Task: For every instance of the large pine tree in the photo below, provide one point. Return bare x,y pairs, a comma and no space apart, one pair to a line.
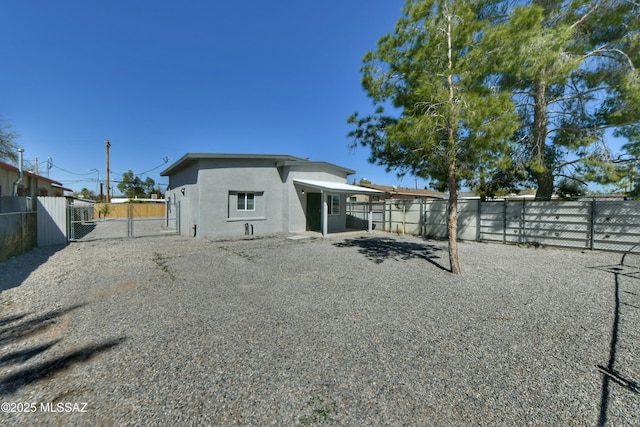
444,118
572,68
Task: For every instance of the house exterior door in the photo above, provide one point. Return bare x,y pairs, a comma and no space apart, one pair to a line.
314,206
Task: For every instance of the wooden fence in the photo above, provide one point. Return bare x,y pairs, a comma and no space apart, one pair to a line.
121,210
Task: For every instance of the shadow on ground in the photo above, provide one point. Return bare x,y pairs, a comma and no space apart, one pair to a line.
13,382
20,267
380,249
37,329
21,326
626,282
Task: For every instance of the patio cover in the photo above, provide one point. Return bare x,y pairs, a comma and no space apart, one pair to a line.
336,187
340,188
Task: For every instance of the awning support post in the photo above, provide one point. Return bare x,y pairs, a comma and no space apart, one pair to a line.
325,216
370,216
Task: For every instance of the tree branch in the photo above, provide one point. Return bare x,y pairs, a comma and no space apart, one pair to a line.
586,15
561,175
601,51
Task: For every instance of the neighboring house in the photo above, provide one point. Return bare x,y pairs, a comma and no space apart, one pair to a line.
235,194
393,192
31,185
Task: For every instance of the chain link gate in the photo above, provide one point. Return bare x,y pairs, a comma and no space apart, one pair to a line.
91,221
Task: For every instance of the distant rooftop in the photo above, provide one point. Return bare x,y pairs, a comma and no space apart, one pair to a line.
402,192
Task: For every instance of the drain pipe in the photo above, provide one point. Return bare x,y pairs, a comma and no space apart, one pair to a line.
20,172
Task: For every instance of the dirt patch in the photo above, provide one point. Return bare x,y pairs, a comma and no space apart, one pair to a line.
117,289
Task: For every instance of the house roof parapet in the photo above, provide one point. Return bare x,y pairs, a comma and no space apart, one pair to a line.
52,182
279,159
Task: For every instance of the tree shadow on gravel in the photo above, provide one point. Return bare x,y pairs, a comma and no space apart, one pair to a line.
20,326
15,381
379,249
43,331
626,271
21,356
14,271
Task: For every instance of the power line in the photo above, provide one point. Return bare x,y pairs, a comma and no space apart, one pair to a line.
164,162
72,173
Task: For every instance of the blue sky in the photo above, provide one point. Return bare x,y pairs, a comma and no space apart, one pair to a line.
162,78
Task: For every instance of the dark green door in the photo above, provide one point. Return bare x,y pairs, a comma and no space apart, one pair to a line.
314,201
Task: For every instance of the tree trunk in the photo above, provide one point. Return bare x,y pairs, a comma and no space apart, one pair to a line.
452,219
542,172
452,215
545,185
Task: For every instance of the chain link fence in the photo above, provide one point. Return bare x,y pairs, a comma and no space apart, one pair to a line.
90,221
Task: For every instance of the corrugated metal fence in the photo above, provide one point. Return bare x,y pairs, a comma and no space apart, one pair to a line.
52,221
590,224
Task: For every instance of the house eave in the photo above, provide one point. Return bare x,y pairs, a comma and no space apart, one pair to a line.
191,157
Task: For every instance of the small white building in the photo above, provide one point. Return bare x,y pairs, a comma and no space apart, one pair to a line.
232,194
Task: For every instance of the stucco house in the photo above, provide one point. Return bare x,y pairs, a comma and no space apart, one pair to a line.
235,194
27,184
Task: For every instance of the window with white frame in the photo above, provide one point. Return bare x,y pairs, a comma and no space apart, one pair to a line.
333,201
246,202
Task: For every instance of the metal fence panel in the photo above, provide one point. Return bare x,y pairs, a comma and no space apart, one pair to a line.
589,224
404,216
616,226
492,221
468,220
435,218
565,224
52,221
513,223
18,233
358,215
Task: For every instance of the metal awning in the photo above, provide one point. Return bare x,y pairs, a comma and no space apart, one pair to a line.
336,187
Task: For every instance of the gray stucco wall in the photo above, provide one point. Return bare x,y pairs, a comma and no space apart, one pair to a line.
211,188
218,185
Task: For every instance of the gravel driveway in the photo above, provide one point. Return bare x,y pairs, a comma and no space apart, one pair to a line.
355,329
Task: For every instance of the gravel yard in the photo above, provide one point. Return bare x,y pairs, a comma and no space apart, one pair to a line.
356,329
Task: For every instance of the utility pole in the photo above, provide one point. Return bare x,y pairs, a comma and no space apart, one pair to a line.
107,146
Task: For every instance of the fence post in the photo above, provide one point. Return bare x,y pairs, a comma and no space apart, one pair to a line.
592,233
370,215
129,219
421,220
478,220
72,232
523,240
504,221
22,225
